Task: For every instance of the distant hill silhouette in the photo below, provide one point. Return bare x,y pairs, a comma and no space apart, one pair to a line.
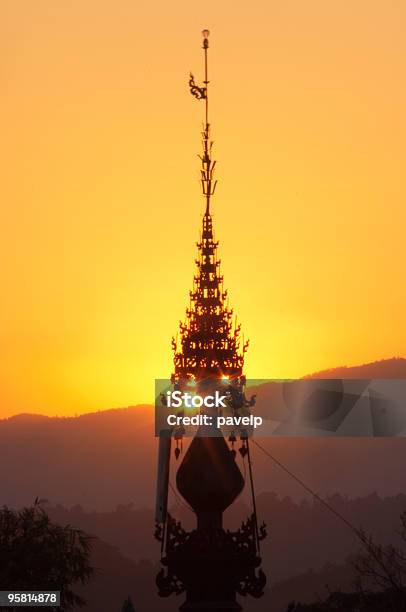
97,459
106,458
305,527
385,368
308,549
98,473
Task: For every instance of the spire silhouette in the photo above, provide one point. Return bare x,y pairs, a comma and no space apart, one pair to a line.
209,563
209,342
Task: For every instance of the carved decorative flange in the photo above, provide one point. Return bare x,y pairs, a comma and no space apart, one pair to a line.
211,559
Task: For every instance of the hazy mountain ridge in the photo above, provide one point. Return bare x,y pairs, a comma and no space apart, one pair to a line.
104,458
306,527
297,556
96,459
107,459
382,368
88,417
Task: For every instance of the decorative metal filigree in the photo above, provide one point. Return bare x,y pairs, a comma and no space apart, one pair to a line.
207,552
262,533
158,534
176,536
253,584
168,583
195,90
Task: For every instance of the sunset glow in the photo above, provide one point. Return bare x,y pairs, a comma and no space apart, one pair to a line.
101,204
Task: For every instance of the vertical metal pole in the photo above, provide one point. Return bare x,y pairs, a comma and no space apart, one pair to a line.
206,82
206,127
162,481
254,503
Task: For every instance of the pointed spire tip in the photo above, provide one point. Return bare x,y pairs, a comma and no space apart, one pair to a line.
205,34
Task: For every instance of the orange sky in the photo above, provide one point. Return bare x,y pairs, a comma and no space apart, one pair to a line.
100,201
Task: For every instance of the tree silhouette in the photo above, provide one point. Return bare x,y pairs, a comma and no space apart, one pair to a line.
128,606
36,554
383,568
380,583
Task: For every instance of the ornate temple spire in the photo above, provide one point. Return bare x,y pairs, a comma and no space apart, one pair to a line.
210,564
209,344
